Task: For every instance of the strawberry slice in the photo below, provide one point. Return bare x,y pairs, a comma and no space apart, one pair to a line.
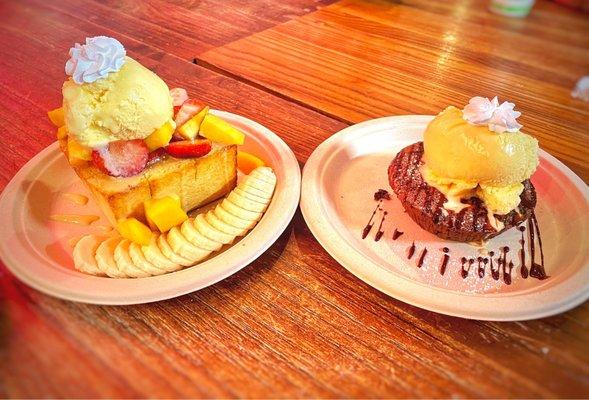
155,156
121,158
189,109
189,148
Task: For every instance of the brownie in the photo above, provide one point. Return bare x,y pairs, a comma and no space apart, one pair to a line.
424,203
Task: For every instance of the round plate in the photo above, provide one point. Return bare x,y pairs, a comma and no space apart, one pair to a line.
339,182
37,251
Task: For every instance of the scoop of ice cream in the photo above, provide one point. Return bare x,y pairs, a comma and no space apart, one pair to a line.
123,105
463,159
455,149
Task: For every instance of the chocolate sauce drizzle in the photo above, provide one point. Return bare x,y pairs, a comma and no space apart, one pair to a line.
463,270
381,194
496,265
536,270
411,251
369,225
481,269
397,234
380,231
444,261
422,257
522,253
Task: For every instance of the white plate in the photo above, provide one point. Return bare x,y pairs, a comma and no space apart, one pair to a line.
339,181
36,249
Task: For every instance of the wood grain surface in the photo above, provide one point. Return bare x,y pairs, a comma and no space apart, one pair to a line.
357,59
294,323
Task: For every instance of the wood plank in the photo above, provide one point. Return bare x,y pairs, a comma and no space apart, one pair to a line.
186,28
357,60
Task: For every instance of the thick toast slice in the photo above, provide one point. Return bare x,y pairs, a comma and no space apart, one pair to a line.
197,181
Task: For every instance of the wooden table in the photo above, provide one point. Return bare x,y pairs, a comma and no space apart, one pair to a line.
295,323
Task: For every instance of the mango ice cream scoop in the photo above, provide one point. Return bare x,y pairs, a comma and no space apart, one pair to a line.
125,104
462,159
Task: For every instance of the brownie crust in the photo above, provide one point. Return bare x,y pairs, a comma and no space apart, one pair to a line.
424,203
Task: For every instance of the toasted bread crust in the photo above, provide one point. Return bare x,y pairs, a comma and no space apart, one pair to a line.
197,181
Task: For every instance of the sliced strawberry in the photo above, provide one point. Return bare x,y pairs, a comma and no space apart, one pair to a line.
121,158
155,156
189,109
189,148
179,96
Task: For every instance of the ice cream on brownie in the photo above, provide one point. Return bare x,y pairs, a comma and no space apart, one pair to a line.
477,163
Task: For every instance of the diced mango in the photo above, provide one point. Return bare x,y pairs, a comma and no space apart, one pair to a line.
218,130
161,136
247,162
134,230
76,152
56,117
164,213
61,132
190,128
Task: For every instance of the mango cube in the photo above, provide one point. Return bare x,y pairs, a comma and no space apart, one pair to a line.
56,117
247,162
76,152
134,230
161,136
165,213
61,132
218,130
190,128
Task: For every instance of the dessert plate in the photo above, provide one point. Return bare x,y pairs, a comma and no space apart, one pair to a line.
340,180
37,251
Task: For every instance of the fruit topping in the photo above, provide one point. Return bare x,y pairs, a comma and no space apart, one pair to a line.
121,158
190,128
164,213
56,117
189,109
218,130
161,136
247,162
134,230
61,132
189,148
155,156
76,152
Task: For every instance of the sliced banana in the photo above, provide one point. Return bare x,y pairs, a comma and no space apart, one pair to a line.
201,225
232,220
246,203
154,255
258,184
141,262
240,212
105,258
251,196
167,251
185,245
264,173
247,187
124,262
189,231
83,254
222,226
180,245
